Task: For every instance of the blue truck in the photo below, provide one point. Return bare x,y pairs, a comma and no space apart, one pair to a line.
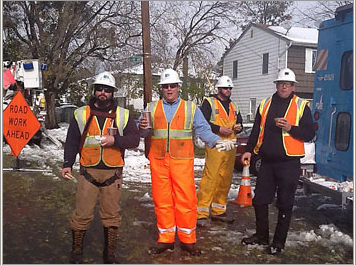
333,105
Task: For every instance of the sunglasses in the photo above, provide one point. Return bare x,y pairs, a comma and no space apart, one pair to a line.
286,84
166,86
227,88
106,89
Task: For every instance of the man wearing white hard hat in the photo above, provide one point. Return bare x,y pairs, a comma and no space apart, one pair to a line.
225,121
282,124
100,132
172,164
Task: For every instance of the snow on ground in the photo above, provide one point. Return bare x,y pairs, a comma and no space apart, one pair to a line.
137,170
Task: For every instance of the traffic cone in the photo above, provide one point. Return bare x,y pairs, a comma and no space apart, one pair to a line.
244,198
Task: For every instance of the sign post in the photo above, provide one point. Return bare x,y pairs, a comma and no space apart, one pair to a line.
19,126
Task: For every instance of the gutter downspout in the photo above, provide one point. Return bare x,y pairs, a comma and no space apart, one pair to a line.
285,52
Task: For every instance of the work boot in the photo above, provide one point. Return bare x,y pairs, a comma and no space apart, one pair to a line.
76,255
202,222
255,239
261,237
191,248
160,248
222,218
110,235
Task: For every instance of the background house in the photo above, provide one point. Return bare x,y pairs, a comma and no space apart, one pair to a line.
259,53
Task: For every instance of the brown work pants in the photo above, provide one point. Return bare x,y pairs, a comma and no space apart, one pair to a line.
87,196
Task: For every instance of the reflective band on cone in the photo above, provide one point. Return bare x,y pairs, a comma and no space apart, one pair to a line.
244,198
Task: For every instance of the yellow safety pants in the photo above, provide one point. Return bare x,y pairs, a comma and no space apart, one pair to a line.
174,197
215,183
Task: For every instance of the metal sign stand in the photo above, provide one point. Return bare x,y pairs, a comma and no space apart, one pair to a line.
18,169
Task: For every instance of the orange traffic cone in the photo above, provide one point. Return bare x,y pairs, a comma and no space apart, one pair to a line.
244,198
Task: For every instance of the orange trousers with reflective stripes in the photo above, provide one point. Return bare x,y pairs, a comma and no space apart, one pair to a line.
174,197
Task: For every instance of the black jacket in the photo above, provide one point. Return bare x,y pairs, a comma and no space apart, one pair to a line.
272,146
130,139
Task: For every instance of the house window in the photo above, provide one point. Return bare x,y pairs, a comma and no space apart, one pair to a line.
346,72
310,60
251,33
265,63
234,69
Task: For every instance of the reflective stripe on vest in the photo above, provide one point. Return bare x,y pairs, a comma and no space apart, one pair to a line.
215,103
294,112
176,137
92,152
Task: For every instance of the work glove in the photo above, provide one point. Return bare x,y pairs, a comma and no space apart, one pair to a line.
225,145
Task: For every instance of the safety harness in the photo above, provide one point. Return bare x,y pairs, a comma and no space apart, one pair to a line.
109,181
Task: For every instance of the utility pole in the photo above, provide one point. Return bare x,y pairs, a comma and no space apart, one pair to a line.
147,77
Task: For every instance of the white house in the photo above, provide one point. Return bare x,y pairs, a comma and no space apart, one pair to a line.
259,53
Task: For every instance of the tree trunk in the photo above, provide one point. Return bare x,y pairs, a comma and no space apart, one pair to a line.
51,121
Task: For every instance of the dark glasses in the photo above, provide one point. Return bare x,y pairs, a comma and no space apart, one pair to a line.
105,88
227,88
166,86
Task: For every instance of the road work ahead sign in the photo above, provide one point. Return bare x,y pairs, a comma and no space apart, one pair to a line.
19,123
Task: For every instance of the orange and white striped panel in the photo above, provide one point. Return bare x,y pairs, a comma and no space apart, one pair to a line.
322,60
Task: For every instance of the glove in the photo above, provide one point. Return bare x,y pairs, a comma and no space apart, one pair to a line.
225,145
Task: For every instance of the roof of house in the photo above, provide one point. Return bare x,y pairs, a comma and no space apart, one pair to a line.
297,35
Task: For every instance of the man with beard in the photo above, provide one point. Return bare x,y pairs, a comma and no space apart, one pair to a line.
100,132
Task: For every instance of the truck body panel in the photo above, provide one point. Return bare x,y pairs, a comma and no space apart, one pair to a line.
333,97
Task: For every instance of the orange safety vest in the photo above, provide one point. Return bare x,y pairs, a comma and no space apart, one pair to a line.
220,117
294,112
92,152
175,137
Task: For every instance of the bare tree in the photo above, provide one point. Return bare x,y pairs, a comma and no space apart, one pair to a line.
65,34
189,26
264,12
314,12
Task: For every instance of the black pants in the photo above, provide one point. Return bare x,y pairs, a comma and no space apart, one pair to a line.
281,177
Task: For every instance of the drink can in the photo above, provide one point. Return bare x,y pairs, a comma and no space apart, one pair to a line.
147,115
112,131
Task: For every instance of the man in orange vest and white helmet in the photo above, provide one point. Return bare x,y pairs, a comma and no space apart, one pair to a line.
100,132
225,120
283,123
171,158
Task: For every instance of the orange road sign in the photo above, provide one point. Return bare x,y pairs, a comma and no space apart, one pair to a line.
19,123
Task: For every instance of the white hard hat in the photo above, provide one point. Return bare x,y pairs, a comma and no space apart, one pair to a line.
105,78
285,74
224,81
169,76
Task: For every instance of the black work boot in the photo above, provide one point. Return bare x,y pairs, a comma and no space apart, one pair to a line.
222,218
190,248
261,237
110,235
280,234
76,255
160,248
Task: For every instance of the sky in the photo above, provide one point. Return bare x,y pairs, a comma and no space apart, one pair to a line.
136,170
